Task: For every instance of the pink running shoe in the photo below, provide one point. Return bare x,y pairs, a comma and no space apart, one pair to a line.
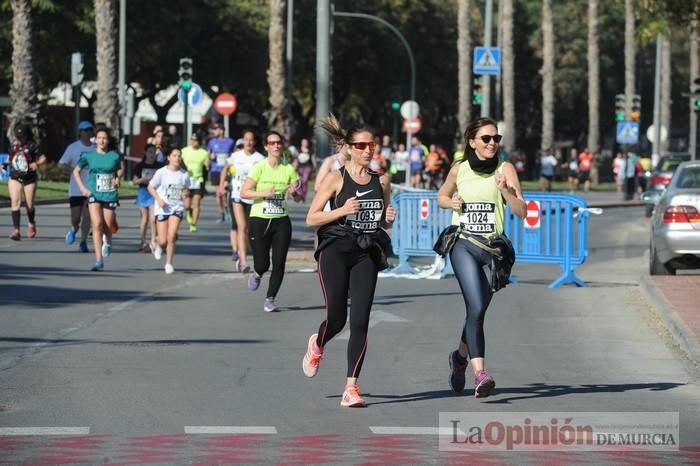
351,397
312,358
483,384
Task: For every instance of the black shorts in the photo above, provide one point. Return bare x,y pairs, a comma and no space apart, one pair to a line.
201,191
246,207
164,217
105,205
77,201
547,177
583,176
24,177
214,178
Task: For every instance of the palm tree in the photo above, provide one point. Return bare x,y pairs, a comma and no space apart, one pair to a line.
278,118
630,51
665,104
508,76
464,67
547,75
593,79
106,105
22,90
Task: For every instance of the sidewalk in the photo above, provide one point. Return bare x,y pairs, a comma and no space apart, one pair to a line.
675,299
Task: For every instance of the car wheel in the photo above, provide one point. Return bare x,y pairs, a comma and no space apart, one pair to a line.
648,210
655,265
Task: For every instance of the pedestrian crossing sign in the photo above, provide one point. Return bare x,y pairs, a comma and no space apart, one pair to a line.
487,60
627,132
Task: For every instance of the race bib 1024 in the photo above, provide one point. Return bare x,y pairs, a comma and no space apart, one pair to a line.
478,217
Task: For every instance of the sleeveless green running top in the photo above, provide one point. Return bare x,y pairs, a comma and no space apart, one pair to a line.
483,208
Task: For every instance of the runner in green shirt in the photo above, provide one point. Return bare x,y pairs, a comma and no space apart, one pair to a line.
269,184
195,158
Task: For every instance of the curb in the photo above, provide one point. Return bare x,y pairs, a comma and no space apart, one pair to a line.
614,204
673,322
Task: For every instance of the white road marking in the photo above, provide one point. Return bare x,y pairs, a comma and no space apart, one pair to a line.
44,431
402,430
230,430
374,318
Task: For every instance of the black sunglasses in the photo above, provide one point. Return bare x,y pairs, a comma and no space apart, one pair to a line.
486,138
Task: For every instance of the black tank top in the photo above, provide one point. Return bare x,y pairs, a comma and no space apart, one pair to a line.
371,199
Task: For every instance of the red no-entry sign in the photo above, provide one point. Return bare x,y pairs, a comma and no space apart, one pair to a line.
424,209
532,220
226,104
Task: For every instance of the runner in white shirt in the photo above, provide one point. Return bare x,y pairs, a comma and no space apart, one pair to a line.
77,201
169,186
238,166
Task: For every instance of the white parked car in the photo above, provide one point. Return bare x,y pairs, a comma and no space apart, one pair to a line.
675,225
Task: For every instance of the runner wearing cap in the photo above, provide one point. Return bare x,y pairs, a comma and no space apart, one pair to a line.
24,159
196,159
220,148
79,214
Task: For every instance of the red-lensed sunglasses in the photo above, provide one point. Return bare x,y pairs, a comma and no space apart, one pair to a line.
363,145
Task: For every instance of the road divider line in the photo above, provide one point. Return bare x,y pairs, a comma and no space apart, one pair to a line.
408,430
6,431
230,430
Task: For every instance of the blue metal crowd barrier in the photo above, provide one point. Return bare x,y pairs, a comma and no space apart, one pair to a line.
4,174
554,232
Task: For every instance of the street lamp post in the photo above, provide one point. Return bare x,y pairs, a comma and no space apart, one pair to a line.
410,58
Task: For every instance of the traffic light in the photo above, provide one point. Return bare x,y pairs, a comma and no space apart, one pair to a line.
185,73
636,107
696,95
395,98
76,69
620,107
477,96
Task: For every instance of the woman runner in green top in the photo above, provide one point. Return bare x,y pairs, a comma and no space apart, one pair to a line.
269,184
477,189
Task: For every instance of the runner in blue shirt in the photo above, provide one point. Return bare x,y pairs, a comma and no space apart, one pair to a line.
219,148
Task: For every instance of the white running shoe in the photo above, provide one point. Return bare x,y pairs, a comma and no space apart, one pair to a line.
158,252
169,269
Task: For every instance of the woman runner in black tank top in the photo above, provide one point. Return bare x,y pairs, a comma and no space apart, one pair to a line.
351,251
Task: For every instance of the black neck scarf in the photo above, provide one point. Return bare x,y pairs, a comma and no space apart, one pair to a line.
486,166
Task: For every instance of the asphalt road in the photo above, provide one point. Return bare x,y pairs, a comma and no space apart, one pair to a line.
144,368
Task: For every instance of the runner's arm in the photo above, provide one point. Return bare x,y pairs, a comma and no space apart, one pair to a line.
331,185
390,213
448,189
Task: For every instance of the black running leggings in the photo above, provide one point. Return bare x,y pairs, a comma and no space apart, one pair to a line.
270,234
345,268
472,267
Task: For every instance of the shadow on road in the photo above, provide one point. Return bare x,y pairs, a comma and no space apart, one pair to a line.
541,390
43,296
33,342
532,391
